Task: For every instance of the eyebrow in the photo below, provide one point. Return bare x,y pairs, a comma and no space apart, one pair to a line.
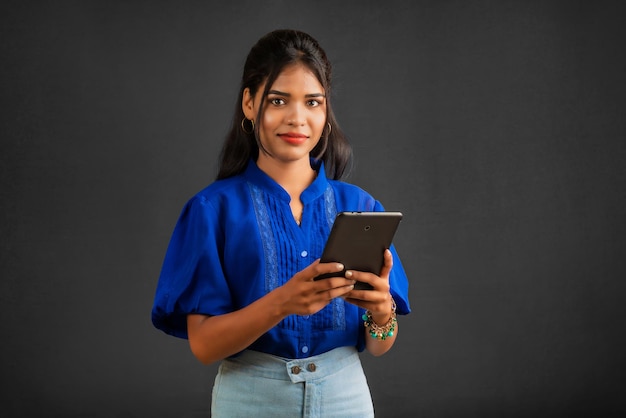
280,93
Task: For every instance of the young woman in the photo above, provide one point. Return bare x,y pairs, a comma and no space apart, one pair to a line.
237,279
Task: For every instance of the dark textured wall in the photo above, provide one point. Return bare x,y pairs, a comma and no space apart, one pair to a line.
498,128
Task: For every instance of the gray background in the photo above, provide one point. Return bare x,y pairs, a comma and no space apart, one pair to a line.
496,127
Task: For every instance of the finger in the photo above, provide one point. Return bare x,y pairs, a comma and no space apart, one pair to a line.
370,278
367,299
370,295
380,284
339,291
362,276
333,283
316,269
387,264
324,268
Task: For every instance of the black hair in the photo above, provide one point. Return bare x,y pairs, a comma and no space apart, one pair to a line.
265,61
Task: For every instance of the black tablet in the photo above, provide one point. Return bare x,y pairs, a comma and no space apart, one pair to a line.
358,241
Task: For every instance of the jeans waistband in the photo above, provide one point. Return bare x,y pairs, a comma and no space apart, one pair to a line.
297,370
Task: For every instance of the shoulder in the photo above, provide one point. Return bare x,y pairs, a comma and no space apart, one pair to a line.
347,188
221,190
352,197
216,200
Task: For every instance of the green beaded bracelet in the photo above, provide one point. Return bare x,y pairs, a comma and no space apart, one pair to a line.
381,332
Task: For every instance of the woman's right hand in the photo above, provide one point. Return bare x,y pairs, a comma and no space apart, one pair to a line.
302,295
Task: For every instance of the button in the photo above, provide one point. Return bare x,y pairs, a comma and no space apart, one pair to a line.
304,253
306,316
311,367
305,349
295,370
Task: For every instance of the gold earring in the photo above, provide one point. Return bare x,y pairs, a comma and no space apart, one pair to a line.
330,128
243,126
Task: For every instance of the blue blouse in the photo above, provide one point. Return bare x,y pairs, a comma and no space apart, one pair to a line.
236,240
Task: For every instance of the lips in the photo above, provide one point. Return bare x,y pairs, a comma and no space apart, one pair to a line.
294,138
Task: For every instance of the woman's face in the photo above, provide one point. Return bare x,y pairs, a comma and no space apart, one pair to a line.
294,115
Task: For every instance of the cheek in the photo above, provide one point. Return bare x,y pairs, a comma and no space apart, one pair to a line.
270,120
319,122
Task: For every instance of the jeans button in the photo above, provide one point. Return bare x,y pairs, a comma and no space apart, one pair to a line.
295,370
312,367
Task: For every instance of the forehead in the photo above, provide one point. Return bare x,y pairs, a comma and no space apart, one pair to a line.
297,77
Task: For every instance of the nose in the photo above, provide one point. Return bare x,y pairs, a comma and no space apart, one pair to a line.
296,115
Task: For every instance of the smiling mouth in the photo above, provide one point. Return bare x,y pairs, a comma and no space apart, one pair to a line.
293,138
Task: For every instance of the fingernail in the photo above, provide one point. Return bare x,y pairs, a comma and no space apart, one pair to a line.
348,273
339,266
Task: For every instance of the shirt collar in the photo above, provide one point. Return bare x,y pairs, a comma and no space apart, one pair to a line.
256,176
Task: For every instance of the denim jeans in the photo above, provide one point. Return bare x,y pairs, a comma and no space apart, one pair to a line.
258,385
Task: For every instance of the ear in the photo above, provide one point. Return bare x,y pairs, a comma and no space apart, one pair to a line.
247,104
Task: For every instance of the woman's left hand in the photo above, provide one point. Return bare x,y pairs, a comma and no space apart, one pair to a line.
378,300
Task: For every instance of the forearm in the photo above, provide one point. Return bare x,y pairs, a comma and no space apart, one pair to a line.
213,338
376,346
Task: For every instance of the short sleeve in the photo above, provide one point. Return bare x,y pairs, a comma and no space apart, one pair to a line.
192,278
398,280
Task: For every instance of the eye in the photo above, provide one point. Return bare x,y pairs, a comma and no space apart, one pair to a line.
313,103
277,101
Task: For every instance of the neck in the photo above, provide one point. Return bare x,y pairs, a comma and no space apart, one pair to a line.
293,176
